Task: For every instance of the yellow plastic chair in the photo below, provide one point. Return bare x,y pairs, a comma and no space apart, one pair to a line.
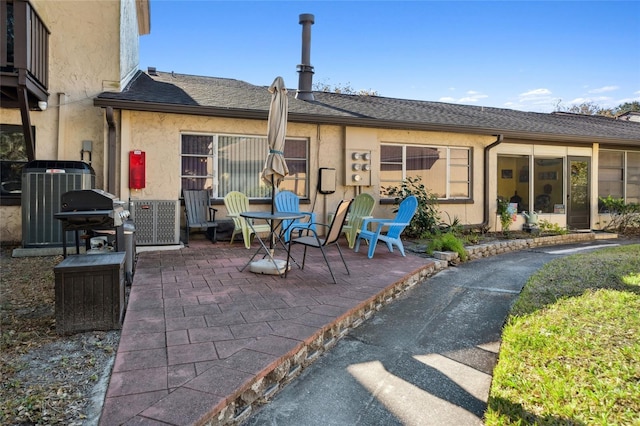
361,208
236,203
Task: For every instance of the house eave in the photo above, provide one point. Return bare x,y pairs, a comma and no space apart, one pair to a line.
253,114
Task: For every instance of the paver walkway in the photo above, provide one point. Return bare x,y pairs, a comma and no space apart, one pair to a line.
202,341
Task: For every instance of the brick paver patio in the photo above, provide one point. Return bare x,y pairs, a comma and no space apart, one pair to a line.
202,341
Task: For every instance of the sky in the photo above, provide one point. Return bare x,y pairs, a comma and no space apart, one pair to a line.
537,56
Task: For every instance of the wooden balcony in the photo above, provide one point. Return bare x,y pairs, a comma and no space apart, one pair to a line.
24,59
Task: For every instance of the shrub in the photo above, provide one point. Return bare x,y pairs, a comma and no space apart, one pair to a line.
505,215
447,242
427,218
551,228
623,216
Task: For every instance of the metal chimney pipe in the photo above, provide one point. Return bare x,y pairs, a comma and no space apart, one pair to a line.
305,69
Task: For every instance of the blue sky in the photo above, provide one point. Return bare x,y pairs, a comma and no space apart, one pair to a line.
525,55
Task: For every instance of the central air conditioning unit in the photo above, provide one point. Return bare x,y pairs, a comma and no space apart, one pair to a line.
43,183
157,222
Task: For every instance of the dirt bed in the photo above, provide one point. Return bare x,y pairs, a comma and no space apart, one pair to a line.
46,378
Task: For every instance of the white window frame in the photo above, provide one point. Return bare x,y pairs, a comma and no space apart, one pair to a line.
214,158
448,166
624,170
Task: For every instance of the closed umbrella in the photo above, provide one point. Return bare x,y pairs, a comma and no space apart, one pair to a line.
275,167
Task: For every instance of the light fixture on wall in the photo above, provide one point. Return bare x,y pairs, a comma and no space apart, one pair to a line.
42,105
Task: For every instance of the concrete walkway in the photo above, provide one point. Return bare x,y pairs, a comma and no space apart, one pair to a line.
426,359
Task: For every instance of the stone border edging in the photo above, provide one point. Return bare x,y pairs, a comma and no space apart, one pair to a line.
498,247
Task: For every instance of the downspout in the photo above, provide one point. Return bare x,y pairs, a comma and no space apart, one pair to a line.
62,106
487,173
111,151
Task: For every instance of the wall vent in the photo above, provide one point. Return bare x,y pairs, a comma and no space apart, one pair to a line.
157,222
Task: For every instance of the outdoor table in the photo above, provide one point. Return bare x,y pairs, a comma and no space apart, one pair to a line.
275,220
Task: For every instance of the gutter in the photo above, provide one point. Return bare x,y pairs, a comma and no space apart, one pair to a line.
487,173
111,151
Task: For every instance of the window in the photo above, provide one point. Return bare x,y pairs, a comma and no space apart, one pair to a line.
296,154
548,185
444,171
224,163
619,175
538,183
513,180
13,155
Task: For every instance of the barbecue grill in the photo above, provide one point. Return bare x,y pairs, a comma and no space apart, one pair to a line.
92,210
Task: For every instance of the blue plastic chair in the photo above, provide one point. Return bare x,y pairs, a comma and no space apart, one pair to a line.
287,201
395,227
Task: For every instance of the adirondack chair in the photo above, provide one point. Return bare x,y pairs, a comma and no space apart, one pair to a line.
395,227
332,239
236,203
287,201
361,208
199,214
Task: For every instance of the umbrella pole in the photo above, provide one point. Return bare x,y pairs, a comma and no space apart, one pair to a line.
273,201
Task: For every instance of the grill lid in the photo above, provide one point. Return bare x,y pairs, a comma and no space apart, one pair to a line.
87,200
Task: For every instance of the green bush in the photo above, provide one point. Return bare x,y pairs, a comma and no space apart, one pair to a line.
623,216
447,242
427,218
551,228
505,215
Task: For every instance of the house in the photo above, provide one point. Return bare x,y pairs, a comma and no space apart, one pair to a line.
197,132
209,133
57,56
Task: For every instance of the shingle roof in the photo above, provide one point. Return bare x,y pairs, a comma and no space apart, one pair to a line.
211,96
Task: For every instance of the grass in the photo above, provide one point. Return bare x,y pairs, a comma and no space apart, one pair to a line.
571,348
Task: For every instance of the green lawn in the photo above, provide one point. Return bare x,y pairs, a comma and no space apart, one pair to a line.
571,347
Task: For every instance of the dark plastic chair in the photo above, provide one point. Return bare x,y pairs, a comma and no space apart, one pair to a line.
394,226
199,214
332,239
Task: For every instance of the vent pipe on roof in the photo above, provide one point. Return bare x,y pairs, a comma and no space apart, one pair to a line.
305,69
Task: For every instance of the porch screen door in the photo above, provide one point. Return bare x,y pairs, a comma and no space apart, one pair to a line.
578,193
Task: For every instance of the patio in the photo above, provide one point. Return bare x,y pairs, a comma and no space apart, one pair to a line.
202,341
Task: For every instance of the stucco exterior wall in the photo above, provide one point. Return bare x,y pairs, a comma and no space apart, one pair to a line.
158,135
93,47
129,46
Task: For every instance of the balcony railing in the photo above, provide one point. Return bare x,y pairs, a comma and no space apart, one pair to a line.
25,47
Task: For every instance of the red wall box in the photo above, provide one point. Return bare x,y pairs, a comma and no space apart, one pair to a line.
90,292
137,169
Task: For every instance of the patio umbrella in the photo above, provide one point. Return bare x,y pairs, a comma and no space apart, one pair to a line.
275,167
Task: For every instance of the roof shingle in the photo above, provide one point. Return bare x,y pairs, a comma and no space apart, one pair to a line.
228,97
